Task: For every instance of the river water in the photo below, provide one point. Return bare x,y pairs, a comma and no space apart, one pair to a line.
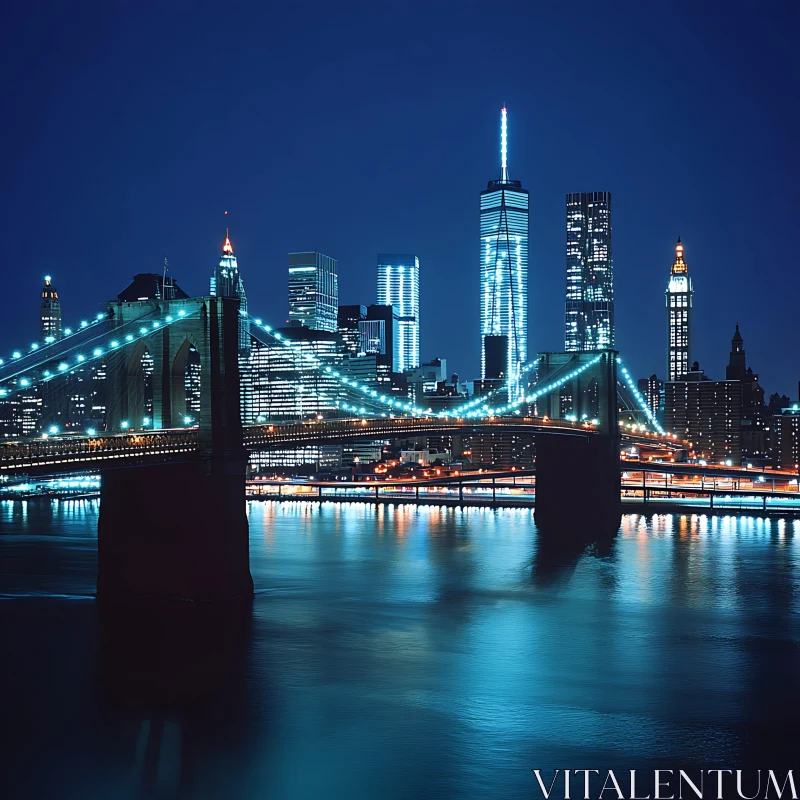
401,652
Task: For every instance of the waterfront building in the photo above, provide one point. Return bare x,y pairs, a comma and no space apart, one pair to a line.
679,317
589,311
50,314
502,449
504,265
783,430
398,286
313,291
707,413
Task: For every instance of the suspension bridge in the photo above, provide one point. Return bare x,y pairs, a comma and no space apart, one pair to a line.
172,513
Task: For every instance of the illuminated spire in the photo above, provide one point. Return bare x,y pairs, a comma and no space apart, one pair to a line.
503,145
227,247
679,266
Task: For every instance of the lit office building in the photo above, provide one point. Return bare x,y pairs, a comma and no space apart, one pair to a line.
50,311
347,321
313,291
380,335
652,389
21,414
368,370
288,386
679,317
706,413
784,428
398,286
590,273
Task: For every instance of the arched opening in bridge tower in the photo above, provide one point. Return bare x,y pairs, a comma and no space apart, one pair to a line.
186,385
136,398
591,400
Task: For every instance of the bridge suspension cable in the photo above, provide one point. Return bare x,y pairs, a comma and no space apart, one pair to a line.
48,344
116,340
365,393
648,412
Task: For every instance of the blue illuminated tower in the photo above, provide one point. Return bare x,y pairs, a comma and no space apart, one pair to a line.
398,286
504,265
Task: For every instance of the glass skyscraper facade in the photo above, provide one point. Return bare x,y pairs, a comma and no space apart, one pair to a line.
679,317
504,265
590,273
290,383
349,317
398,286
313,291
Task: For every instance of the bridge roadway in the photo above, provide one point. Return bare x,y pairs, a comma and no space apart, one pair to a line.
61,454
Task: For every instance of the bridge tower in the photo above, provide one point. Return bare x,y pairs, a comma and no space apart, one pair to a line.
177,530
578,478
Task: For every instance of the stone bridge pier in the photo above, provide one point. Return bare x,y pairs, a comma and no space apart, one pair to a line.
577,477
178,530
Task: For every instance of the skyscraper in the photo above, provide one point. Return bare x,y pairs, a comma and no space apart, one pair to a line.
51,310
380,335
227,282
504,264
398,286
679,316
313,291
590,273
348,319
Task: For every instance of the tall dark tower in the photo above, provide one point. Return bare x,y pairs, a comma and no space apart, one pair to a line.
51,310
737,365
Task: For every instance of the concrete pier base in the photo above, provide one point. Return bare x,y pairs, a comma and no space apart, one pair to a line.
578,487
174,532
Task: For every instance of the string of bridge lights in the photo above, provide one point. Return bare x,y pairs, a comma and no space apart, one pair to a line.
48,341
474,408
639,399
115,342
373,396
465,410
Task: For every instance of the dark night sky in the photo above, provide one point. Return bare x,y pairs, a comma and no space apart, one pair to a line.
128,127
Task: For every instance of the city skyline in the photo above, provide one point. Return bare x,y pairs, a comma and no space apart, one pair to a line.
651,205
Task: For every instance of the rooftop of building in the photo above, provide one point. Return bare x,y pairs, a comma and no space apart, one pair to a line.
149,286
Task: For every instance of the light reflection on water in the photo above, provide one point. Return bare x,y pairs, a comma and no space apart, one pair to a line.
412,652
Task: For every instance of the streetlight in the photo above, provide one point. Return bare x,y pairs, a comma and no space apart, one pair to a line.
187,420
124,424
53,430
146,421
91,432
